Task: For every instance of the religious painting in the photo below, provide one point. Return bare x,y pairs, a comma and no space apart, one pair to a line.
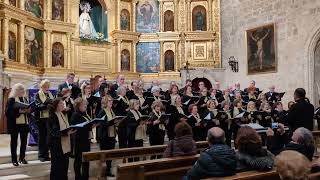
200,51
57,55
58,10
261,50
125,60
13,2
35,7
148,57
168,21
169,60
33,46
12,51
125,20
93,20
199,18
147,16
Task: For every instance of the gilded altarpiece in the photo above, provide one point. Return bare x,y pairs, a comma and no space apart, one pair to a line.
184,32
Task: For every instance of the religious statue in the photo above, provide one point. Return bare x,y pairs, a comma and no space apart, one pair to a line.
12,46
87,29
34,6
169,61
57,10
57,54
199,21
13,2
146,11
125,60
124,20
259,55
168,21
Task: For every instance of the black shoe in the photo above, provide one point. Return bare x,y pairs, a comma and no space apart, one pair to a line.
23,161
42,159
109,174
47,159
15,163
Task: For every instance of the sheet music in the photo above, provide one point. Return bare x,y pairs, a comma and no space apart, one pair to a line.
208,117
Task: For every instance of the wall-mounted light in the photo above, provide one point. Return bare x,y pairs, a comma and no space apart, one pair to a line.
233,63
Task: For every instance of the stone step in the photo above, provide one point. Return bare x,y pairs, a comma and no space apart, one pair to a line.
30,156
33,166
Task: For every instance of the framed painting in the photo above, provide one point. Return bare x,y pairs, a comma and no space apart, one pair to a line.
199,51
147,16
261,49
148,57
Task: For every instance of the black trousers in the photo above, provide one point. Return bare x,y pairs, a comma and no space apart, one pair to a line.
157,138
108,143
81,169
23,130
59,163
122,137
137,143
42,139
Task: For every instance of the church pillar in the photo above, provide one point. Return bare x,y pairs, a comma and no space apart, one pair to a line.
118,15
176,54
161,17
161,57
67,11
21,4
21,27
5,35
49,49
189,19
118,59
49,10
133,18
134,56
176,12
209,15
68,63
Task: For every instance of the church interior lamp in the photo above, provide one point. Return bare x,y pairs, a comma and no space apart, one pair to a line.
233,63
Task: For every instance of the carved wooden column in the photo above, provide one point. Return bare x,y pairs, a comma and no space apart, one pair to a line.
133,18
68,64
118,59
176,12
176,58
209,14
21,27
49,48
161,57
161,17
189,19
117,21
134,56
5,35
21,4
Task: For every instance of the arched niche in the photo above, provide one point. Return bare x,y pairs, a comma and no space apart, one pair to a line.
57,55
169,60
199,18
57,10
125,20
125,60
13,2
12,50
168,21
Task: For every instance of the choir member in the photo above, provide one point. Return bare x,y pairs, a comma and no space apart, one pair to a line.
213,111
224,117
202,104
290,104
70,84
68,102
266,118
141,84
136,128
177,114
217,87
43,99
198,126
214,96
119,82
237,89
155,91
187,94
173,93
188,83
226,96
238,109
156,128
154,83
131,90
82,139
279,115
252,85
201,86
252,93
92,101
101,82
121,109
17,123
252,110
59,141
107,132
271,95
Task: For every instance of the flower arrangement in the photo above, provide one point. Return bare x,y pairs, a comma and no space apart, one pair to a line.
99,39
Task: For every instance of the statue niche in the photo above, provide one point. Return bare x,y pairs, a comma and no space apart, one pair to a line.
13,2
57,55
199,18
58,10
169,60
125,20
168,21
12,51
125,60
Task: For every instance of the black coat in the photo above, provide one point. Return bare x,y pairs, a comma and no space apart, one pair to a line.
301,115
154,130
75,90
82,141
199,132
54,134
40,106
12,113
102,131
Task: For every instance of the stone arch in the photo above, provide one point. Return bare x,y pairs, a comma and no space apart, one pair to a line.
199,18
168,17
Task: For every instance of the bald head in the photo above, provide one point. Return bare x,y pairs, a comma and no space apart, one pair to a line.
216,136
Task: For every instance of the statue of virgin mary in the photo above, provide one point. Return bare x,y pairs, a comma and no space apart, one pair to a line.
87,29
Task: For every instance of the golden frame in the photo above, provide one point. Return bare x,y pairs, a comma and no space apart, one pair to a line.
269,26
202,49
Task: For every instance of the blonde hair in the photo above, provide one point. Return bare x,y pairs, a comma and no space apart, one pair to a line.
44,82
104,101
78,102
289,169
132,103
254,106
156,103
211,101
15,88
83,86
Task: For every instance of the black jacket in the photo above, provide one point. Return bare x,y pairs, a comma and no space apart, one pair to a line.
75,90
217,161
12,113
54,134
82,141
301,115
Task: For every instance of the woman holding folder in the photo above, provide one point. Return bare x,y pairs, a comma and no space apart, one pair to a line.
59,140
17,121
82,139
195,121
107,132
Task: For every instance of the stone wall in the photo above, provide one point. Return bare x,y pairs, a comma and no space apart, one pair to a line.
296,22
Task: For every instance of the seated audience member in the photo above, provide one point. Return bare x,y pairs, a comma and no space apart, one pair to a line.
183,143
250,154
292,165
217,161
302,141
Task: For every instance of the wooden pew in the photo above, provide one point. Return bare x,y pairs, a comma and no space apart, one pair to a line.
102,156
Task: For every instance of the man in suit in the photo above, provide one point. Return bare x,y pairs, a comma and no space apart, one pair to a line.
271,95
69,83
119,82
301,113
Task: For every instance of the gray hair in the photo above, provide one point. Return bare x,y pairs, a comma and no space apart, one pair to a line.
15,88
306,137
121,88
215,137
154,89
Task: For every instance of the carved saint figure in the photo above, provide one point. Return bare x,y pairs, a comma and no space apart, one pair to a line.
125,60
169,61
124,20
199,21
57,10
87,29
57,54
